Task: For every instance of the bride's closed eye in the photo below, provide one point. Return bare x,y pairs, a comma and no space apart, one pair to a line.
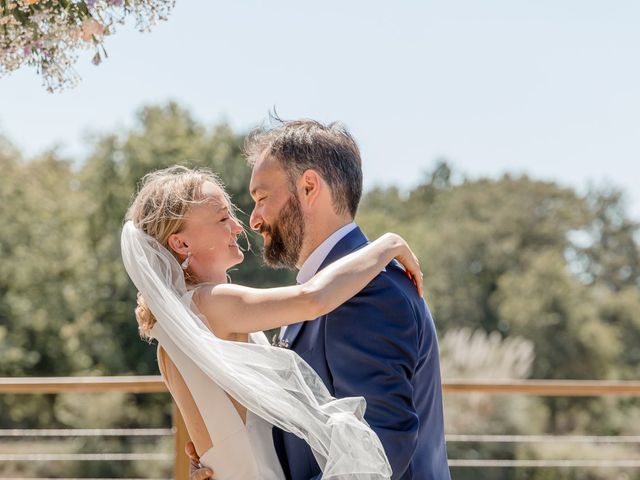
225,214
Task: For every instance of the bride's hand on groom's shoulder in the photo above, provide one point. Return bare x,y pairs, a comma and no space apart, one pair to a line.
198,472
408,260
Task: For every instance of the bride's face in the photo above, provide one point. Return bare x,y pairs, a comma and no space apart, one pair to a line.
210,234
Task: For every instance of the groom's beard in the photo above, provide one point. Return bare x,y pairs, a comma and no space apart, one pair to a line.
286,234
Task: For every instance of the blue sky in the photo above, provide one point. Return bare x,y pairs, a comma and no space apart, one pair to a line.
546,87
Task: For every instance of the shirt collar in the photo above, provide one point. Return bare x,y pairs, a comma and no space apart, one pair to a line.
313,261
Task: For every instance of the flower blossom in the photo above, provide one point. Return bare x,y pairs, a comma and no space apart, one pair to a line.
91,28
47,35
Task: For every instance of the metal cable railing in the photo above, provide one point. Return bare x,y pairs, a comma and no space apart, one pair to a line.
82,457
86,432
545,463
151,384
607,439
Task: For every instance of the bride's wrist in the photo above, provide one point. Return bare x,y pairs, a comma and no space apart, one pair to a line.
393,243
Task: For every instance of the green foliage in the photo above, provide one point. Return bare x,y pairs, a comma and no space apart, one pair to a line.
530,265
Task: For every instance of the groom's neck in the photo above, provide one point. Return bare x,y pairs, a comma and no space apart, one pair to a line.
317,231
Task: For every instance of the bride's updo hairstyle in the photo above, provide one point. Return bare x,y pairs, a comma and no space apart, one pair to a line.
159,208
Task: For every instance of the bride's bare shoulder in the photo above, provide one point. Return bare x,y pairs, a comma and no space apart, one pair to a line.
206,300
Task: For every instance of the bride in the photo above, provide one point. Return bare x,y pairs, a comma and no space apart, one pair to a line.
230,385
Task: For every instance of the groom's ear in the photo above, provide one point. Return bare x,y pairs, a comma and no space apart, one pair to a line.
309,186
177,244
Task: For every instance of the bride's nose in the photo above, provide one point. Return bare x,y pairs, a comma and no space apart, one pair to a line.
236,228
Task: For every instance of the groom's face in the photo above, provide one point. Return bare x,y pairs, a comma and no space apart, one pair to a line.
277,214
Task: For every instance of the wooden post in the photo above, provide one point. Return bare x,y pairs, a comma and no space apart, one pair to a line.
181,466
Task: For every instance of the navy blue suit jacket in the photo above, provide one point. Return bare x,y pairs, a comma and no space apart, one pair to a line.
382,345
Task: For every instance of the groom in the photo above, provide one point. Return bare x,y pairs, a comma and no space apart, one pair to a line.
306,184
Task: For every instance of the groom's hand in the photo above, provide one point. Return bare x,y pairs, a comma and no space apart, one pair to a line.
198,472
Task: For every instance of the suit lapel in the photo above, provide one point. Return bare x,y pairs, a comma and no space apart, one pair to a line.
292,332
352,241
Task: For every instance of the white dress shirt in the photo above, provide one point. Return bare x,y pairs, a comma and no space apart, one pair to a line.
312,263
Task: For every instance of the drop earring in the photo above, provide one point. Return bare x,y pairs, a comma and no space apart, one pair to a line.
185,264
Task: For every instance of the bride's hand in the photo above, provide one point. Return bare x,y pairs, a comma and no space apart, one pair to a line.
407,258
198,472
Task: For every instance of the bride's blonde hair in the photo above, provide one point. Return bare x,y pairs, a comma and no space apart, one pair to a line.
159,208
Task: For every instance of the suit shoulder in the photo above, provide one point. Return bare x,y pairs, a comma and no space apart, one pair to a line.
390,296
393,281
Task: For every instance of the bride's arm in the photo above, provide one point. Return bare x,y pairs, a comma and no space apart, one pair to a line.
237,309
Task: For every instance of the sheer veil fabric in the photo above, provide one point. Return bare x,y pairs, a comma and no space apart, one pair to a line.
273,383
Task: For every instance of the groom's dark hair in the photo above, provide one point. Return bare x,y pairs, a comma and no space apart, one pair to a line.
300,145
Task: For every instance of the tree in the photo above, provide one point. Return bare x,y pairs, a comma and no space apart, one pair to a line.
516,259
610,256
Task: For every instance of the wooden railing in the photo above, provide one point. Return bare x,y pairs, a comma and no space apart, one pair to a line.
154,384
137,384
545,388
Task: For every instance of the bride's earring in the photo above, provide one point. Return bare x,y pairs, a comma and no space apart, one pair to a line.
185,264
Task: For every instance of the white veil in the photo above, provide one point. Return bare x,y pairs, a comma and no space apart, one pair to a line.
274,383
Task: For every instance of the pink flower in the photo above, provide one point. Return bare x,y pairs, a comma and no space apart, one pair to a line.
90,28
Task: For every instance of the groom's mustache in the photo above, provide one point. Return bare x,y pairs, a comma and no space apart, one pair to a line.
265,229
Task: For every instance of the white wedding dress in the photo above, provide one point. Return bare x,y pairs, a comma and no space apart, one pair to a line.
239,451
275,384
